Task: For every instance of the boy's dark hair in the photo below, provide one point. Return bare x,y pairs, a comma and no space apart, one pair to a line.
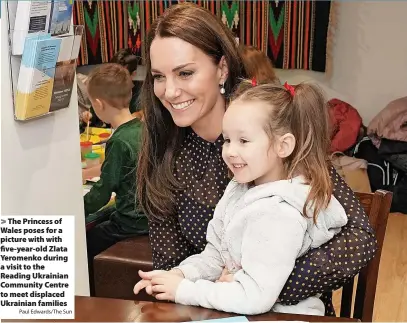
111,83
126,58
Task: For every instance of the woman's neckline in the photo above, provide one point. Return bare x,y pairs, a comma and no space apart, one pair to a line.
218,142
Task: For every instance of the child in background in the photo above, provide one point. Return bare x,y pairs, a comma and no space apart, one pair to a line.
127,59
123,57
130,61
258,65
278,206
109,87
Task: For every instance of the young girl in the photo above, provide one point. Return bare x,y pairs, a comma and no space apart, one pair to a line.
278,206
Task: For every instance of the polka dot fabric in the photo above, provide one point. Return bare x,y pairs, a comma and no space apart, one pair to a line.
325,269
200,169
203,175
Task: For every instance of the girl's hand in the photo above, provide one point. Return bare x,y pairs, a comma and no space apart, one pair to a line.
144,283
165,286
149,275
225,277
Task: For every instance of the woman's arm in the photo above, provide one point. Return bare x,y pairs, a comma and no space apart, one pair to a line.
328,267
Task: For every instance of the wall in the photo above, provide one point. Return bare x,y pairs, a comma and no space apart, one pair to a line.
40,165
370,56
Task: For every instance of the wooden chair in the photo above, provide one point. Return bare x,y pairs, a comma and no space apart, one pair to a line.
377,207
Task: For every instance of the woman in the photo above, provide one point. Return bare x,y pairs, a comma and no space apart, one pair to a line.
181,175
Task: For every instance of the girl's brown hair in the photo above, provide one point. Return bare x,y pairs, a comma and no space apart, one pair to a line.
304,114
161,137
258,65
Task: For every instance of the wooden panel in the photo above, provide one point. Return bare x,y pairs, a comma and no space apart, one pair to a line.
391,293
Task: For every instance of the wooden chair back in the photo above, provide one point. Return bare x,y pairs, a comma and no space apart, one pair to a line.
377,207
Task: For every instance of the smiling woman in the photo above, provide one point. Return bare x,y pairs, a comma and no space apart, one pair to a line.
202,61
187,83
193,64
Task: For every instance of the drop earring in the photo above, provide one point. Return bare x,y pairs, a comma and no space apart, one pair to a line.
222,88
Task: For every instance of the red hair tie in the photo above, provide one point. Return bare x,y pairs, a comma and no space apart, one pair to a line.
290,88
254,82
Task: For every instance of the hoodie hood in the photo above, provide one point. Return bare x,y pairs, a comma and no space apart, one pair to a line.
295,192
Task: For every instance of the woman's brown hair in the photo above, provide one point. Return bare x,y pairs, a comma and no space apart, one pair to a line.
161,137
303,113
258,65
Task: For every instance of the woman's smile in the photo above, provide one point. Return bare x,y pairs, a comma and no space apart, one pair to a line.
182,105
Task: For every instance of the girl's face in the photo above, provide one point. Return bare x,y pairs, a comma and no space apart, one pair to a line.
248,150
186,81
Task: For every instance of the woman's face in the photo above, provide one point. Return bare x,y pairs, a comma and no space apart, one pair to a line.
186,81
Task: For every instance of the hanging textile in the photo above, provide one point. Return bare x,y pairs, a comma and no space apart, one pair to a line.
109,26
294,34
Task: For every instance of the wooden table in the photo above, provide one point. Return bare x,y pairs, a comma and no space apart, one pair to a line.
93,309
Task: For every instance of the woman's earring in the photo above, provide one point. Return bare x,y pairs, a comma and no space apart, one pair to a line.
222,88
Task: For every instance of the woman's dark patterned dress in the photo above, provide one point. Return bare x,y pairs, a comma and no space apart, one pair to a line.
200,169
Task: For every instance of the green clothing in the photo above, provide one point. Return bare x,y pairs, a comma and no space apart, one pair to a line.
118,175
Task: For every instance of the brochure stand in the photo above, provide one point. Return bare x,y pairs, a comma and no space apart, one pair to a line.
42,77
